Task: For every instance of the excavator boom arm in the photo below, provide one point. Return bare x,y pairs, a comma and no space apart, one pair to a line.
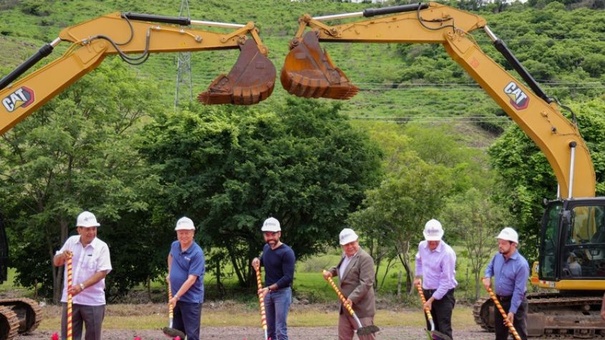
251,80
308,72
139,33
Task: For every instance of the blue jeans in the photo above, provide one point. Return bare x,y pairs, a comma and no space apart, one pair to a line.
277,305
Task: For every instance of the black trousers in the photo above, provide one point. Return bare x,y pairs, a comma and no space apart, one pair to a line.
441,312
519,322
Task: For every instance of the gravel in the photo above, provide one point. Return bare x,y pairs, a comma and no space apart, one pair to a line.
227,332
253,333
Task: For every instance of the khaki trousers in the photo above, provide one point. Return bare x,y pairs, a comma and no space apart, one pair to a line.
347,326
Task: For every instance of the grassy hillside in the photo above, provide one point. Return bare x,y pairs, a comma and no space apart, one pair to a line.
375,68
396,81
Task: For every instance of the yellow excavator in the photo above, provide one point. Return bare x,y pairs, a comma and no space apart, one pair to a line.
572,244
132,36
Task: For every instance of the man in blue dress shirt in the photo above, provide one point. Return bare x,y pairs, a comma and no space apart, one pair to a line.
511,272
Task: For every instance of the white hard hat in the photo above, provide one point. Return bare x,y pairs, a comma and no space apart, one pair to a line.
184,223
87,219
271,224
508,234
433,231
347,235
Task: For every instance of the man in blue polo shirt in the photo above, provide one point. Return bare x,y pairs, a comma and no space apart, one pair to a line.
511,272
186,269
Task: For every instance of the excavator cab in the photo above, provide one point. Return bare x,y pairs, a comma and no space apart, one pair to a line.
572,244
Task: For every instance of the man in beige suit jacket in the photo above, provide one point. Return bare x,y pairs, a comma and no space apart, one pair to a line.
356,280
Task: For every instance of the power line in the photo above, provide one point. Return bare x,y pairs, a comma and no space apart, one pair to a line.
184,83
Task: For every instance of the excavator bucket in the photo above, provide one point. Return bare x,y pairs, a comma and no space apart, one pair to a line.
251,80
309,72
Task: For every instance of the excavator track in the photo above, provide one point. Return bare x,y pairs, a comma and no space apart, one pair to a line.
483,313
9,323
27,312
552,315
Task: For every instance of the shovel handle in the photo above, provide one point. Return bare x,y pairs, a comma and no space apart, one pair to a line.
511,327
426,310
170,308
69,296
343,300
261,301
423,299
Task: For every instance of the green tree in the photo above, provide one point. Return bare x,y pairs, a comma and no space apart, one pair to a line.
526,173
475,220
229,168
425,166
73,154
397,210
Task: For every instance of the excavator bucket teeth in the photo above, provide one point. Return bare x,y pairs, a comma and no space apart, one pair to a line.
309,72
251,80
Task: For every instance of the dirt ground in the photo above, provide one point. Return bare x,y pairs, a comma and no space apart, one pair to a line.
253,333
473,332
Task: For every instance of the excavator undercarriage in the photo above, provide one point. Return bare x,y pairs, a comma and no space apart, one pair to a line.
18,316
9,323
552,315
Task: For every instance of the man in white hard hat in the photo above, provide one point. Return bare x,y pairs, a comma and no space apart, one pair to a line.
436,272
278,260
511,272
90,265
186,269
356,280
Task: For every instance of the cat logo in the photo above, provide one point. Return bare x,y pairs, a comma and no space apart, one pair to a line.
21,97
518,99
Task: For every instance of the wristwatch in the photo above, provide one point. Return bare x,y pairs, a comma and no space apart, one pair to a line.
82,286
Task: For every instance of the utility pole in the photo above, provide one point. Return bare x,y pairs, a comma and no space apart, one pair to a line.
184,87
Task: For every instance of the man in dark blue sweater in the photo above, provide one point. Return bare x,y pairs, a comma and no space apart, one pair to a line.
278,260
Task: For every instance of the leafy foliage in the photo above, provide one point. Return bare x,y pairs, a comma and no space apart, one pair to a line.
74,154
230,169
474,219
527,175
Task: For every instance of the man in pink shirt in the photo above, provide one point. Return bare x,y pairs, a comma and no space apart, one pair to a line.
436,271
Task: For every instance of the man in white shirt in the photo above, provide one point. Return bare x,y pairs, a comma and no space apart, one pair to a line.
90,264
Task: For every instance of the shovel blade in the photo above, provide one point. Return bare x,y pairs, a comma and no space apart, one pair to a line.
250,81
436,335
173,333
309,72
366,330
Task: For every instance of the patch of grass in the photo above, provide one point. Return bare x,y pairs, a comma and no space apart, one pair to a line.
229,314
